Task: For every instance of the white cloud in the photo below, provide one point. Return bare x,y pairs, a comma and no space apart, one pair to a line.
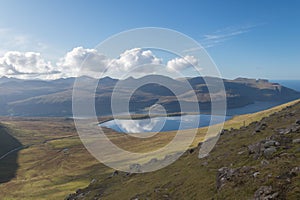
178,64
222,35
134,62
25,65
92,60
135,57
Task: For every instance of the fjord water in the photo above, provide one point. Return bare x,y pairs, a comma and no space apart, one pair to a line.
156,124
293,84
190,121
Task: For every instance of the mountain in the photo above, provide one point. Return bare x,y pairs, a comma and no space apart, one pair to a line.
259,161
54,98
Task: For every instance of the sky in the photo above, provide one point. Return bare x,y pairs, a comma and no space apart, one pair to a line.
49,39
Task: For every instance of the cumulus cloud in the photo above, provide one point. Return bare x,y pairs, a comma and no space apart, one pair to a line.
25,64
178,64
81,61
133,58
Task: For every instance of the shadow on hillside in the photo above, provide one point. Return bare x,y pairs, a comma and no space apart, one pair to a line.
8,161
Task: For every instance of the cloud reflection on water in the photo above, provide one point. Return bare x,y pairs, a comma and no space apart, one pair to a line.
158,124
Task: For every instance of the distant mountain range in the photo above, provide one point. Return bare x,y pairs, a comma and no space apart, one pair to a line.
54,98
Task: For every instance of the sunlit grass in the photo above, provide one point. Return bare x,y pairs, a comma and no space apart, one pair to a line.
47,172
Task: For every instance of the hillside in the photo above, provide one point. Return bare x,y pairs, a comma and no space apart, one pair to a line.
9,146
55,163
259,161
54,98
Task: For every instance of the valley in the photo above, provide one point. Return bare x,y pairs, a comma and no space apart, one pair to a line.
156,100
55,163
257,161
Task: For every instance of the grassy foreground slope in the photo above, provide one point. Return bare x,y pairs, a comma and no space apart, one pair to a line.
7,142
9,147
55,163
259,161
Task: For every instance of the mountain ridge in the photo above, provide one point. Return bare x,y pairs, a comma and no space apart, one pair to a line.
54,98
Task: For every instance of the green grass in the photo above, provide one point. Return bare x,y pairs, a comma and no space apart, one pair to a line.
45,171
189,178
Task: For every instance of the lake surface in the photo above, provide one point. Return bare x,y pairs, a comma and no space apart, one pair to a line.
157,124
191,121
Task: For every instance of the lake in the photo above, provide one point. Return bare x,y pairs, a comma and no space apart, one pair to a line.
156,124
190,121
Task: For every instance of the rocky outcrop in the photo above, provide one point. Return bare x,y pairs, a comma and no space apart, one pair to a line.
260,127
268,153
264,148
226,174
265,193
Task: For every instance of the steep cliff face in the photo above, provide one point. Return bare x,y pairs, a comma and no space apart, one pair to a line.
260,161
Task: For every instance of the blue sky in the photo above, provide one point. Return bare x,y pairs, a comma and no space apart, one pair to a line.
259,38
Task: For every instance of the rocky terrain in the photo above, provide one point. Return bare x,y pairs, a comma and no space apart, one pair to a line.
260,161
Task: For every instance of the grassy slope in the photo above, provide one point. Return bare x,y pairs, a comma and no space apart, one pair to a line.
7,142
192,178
8,165
56,164
45,171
